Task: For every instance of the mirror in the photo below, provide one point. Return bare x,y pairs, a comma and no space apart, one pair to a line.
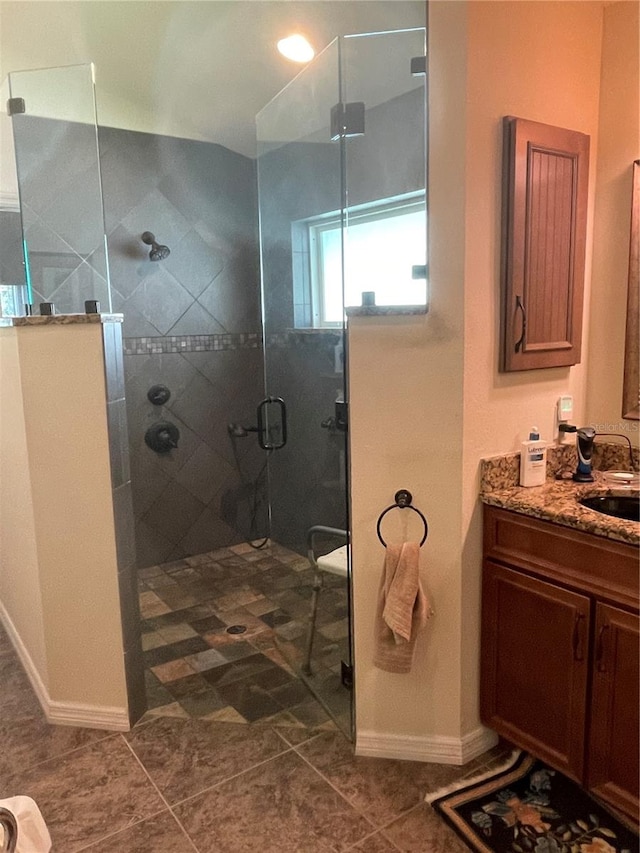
631,385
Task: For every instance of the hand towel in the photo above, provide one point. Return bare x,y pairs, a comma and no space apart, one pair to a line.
402,611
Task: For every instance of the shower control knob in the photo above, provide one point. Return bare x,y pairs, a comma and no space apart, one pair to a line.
158,395
162,437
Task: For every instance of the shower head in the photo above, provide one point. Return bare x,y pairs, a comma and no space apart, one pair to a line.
157,252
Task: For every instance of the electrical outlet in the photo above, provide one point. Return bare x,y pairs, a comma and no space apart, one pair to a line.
564,414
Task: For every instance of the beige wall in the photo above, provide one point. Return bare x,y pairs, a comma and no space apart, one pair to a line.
540,61
19,573
65,451
406,431
435,402
618,147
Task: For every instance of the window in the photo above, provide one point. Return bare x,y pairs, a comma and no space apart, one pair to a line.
384,252
10,301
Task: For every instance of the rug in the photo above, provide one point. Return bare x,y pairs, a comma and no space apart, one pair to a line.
526,807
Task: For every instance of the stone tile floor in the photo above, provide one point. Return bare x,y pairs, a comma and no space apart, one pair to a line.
200,786
196,668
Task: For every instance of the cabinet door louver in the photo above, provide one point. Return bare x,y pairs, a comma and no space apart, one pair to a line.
546,172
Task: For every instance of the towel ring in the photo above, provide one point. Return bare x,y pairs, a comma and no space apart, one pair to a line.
402,500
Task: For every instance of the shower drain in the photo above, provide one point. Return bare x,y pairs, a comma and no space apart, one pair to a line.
236,629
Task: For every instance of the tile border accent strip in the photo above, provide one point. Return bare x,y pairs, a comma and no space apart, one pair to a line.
191,343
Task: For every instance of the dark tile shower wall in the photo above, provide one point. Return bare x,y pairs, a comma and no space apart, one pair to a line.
11,266
191,323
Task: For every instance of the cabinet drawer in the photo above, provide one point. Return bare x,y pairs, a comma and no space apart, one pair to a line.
602,567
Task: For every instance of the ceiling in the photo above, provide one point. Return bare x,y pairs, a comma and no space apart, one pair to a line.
201,70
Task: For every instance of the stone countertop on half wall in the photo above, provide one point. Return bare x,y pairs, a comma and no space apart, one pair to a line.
63,319
558,499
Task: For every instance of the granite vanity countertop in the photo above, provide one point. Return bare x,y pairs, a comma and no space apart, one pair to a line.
557,501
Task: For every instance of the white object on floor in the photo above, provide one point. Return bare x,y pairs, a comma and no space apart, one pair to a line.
33,835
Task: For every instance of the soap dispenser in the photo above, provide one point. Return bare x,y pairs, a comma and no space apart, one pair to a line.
533,460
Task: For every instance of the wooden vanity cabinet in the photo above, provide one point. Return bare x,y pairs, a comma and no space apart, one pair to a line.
613,737
560,650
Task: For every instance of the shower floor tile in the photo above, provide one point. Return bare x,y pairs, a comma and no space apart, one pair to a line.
195,668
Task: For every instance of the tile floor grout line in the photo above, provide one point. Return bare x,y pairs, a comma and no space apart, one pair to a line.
373,835
62,755
337,790
396,818
103,838
160,794
234,776
308,740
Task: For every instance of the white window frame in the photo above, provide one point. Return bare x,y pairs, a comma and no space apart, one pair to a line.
316,226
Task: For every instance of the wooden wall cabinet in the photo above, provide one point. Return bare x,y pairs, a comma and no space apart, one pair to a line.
545,196
560,650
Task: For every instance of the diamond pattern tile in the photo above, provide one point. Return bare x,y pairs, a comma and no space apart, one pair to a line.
194,263
155,213
159,299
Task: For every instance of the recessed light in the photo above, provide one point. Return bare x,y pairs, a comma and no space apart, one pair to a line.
296,48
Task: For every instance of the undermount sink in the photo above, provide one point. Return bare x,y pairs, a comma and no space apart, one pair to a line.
620,506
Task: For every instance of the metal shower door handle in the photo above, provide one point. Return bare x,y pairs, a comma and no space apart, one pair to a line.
263,425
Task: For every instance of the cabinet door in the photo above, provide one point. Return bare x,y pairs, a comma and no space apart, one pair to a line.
546,185
613,744
534,665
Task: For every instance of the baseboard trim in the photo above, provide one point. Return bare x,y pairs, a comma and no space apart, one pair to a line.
88,716
63,713
436,749
38,685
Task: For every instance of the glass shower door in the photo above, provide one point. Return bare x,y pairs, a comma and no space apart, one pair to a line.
303,417
53,116
385,228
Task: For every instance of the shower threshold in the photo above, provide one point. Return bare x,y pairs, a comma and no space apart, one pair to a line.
223,638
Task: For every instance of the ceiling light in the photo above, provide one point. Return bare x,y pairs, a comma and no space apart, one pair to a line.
296,48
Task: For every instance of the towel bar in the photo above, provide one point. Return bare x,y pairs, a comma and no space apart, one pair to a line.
402,500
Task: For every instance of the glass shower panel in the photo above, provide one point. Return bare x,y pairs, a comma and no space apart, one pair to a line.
385,239
13,294
53,114
300,189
